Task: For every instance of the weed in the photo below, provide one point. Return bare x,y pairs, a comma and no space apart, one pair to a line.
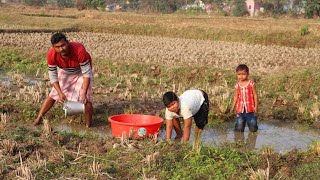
315,148
304,30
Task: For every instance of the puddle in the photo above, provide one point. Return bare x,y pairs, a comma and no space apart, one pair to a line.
281,136
7,82
95,131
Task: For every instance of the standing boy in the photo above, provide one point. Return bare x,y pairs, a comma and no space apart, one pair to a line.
245,100
191,104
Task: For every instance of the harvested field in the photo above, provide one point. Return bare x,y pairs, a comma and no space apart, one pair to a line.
136,59
167,51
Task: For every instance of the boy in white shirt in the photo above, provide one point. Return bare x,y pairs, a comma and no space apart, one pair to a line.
191,104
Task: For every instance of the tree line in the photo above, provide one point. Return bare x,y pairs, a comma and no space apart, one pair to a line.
309,8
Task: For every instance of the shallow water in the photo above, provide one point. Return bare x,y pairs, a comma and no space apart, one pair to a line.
279,135
282,136
7,82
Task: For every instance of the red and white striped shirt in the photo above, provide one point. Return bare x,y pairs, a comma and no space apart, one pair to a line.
245,97
79,61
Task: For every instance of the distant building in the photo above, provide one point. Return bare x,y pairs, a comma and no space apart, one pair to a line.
254,7
113,7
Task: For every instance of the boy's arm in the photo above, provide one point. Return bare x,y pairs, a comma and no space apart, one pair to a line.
187,129
235,98
169,125
255,96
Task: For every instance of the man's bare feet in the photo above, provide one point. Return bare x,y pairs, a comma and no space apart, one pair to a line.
178,138
88,124
37,121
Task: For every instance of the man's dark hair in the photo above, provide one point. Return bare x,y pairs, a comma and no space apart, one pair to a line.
242,67
57,37
168,97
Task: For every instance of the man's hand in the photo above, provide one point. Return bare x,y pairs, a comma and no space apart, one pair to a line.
62,97
255,109
231,110
83,98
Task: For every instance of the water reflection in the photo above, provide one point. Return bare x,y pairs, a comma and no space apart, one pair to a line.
249,143
280,136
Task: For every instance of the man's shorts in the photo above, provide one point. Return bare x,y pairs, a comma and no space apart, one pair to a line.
201,117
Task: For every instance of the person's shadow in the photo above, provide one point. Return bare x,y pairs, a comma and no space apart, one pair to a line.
250,143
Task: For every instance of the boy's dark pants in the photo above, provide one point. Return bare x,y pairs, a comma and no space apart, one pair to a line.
201,117
243,118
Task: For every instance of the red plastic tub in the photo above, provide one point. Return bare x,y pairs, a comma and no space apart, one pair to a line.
135,125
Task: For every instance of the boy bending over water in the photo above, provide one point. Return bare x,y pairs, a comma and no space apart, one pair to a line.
191,104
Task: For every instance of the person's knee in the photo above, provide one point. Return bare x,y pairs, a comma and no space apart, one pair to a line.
252,124
239,125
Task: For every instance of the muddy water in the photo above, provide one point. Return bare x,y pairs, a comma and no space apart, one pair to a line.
7,82
95,131
281,136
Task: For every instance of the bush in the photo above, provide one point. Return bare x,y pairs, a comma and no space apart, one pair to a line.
94,4
65,3
35,2
239,8
312,8
304,30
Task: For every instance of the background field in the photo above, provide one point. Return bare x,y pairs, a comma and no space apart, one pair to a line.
137,58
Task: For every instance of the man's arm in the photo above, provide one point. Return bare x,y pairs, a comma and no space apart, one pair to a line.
53,76
83,93
62,97
86,72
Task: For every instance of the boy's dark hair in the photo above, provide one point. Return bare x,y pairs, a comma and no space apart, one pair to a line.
242,67
57,37
168,97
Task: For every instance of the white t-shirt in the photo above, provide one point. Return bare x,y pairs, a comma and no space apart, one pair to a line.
190,102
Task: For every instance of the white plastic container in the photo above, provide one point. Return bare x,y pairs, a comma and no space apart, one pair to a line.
73,107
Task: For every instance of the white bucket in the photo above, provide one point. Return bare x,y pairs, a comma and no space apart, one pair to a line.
73,107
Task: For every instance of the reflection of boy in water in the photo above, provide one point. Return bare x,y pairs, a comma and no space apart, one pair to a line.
251,140
245,100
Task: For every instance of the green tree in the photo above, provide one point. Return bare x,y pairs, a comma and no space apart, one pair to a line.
312,8
239,8
275,6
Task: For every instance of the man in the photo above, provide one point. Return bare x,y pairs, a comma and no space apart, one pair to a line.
73,80
191,104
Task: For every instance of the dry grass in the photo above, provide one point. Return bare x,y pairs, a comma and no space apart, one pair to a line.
5,118
166,51
47,129
260,174
315,148
10,146
284,31
267,151
24,172
95,168
180,21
